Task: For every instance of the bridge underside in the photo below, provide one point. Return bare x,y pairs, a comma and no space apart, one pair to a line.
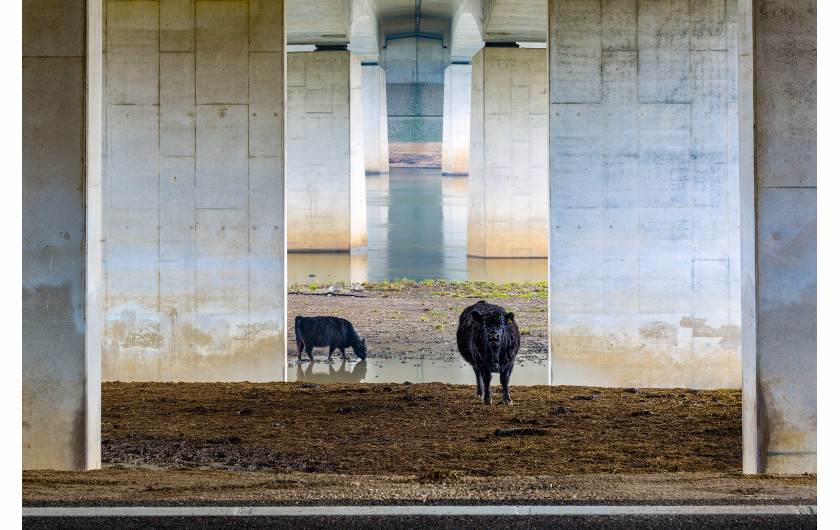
676,143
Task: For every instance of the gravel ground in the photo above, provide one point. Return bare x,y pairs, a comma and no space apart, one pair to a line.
145,486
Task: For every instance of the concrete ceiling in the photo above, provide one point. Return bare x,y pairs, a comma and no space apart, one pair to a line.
464,25
517,21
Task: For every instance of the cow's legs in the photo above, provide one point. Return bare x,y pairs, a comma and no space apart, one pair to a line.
485,376
343,355
299,348
478,386
505,378
309,353
329,357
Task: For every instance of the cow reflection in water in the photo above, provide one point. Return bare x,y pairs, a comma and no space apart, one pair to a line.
342,375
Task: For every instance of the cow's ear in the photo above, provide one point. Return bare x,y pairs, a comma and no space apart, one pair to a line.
508,318
363,341
478,317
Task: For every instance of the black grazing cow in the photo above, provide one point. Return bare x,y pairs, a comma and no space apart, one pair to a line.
488,339
327,331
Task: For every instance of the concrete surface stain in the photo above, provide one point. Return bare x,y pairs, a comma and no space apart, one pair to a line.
583,357
659,332
730,335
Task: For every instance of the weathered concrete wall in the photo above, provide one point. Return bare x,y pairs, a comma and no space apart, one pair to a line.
193,192
326,185
60,375
457,86
785,242
375,109
645,251
508,168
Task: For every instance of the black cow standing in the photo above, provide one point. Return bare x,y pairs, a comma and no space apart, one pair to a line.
488,339
327,331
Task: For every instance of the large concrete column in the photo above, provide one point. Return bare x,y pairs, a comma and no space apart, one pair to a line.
375,108
326,185
194,191
778,72
508,182
457,86
62,84
645,234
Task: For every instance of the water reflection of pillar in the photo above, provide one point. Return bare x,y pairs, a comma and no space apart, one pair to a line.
379,182
326,267
377,187
454,201
503,270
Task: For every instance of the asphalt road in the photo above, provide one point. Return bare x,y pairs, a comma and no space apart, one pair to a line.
768,522
351,517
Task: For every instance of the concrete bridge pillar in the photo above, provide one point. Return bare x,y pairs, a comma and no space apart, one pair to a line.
644,205
193,217
778,119
457,82
326,163
508,162
62,205
375,108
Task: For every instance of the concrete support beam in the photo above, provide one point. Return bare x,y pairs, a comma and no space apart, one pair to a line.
62,80
508,182
457,86
645,216
778,72
194,190
326,186
375,108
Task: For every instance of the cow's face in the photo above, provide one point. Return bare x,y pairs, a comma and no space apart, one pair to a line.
361,351
493,327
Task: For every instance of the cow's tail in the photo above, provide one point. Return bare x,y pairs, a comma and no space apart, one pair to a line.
297,329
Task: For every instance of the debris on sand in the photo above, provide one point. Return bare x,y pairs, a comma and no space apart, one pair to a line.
437,475
520,421
641,413
585,398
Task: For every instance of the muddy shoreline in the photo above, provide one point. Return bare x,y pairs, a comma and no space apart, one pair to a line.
407,320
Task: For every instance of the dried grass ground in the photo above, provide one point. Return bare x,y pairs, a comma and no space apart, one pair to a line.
419,429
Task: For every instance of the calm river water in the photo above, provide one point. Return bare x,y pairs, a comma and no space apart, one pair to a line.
417,229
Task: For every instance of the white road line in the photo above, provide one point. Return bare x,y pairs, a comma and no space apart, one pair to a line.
280,511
